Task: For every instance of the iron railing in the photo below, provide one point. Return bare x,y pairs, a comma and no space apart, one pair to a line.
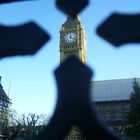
73,77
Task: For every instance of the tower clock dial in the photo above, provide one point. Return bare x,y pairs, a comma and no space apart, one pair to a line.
70,37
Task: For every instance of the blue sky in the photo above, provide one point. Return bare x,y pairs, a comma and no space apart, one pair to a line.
33,86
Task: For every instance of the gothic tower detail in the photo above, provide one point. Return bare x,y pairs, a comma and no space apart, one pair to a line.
72,39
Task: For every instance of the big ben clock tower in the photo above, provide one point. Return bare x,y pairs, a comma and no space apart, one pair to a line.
72,39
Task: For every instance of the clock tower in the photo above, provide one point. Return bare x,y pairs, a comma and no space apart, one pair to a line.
72,40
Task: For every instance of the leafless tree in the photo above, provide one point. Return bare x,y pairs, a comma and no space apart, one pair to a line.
25,125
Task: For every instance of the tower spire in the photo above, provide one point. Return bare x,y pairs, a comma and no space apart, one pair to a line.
77,17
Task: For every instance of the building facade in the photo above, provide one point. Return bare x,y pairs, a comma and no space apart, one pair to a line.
73,42
72,39
112,99
4,105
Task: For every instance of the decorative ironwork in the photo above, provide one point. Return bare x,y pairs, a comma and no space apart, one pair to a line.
73,77
119,29
7,1
22,40
71,7
74,106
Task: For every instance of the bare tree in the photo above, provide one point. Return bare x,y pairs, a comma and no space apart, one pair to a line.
26,125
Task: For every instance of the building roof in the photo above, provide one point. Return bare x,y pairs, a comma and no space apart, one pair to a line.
112,90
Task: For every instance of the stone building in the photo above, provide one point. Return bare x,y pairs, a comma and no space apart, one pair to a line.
75,134
73,42
72,39
112,99
4,105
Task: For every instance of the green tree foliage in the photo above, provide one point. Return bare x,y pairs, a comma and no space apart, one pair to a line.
134,114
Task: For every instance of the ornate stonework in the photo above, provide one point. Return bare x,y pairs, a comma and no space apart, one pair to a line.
4,107
75,134
72,39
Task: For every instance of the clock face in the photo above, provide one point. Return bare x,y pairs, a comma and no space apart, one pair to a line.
70,37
